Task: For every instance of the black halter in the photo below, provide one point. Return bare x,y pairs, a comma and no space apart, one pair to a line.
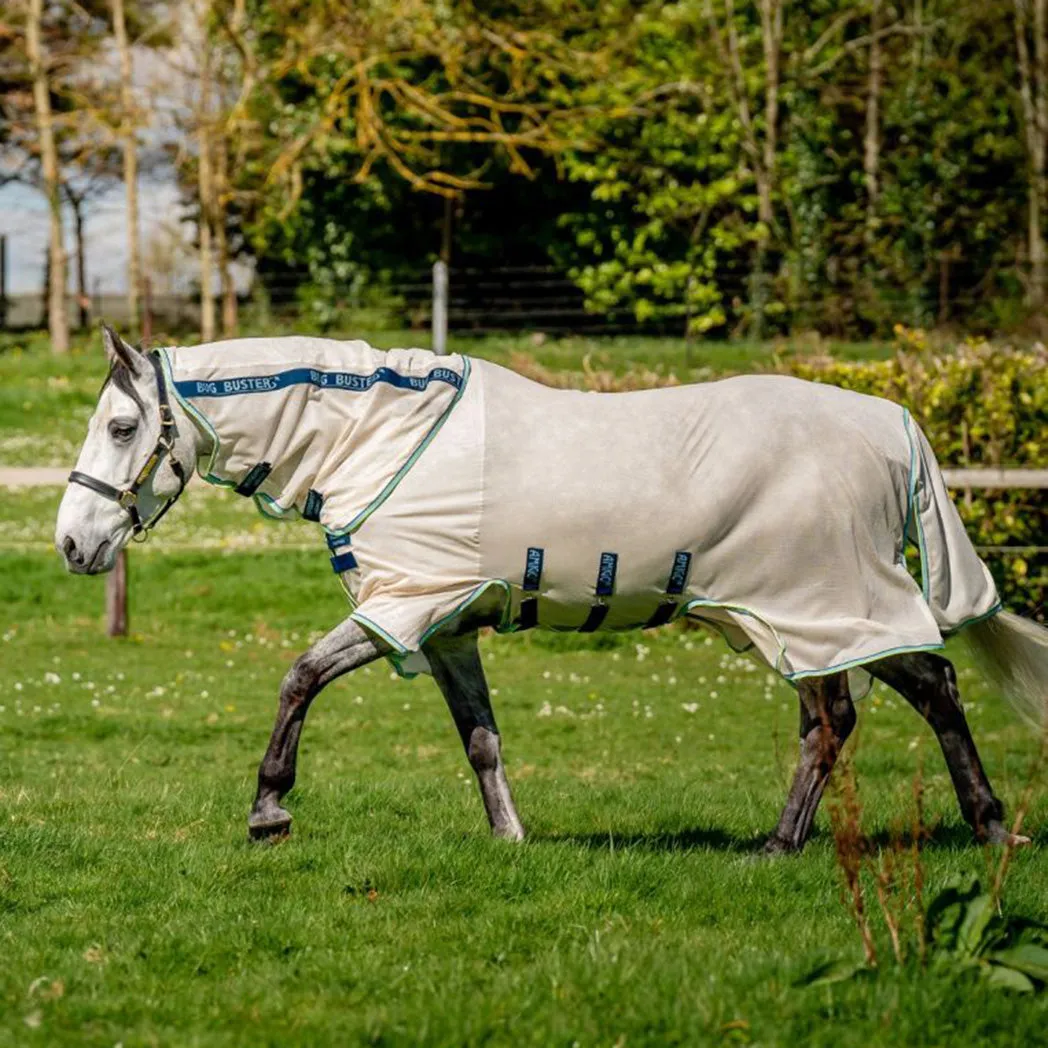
127,498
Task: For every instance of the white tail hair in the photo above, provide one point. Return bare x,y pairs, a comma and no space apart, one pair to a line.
1013,652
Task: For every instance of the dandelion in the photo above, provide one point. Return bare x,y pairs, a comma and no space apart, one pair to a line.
713,694
76,676
545,711
95,703
52,678
18,685
671,680
359,700
690,707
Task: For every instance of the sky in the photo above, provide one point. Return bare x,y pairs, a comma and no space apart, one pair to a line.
24,220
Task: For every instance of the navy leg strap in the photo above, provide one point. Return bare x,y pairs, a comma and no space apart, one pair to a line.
529,606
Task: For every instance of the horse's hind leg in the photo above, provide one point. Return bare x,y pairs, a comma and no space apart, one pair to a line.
827,719
457,669
929,684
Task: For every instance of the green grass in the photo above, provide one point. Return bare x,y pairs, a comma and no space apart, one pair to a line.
46,401
133,909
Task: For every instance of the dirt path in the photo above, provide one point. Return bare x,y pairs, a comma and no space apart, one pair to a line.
32,476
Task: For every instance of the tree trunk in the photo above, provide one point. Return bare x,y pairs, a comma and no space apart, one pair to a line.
81,262
872,142
205,192
771,39
1040,80
225,273
57,317
134,261
1033,91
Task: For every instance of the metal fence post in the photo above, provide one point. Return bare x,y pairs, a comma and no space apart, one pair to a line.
440,307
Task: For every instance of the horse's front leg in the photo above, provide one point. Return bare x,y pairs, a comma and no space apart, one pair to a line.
457,669
345,648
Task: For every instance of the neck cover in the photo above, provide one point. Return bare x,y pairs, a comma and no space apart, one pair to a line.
312,427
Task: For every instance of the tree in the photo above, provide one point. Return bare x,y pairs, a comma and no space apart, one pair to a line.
130,150
1033,92
57,317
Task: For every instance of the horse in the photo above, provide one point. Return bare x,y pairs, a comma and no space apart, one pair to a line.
455,495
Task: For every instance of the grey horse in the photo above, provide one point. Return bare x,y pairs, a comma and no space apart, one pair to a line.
143,443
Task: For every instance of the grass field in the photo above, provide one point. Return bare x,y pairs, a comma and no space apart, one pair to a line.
133,910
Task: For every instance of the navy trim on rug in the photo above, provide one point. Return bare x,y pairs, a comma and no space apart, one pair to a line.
231,387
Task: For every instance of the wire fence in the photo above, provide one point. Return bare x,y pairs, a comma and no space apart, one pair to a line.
488,299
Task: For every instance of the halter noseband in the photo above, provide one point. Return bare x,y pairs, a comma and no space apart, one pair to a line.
127,498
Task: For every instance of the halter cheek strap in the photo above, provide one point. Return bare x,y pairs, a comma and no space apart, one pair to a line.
127,498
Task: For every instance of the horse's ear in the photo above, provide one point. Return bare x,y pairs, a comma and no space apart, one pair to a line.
119,352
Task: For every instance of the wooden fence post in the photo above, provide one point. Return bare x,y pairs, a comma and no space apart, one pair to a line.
3,280
116,597
440,307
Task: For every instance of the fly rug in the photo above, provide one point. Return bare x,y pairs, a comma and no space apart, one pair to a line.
455,495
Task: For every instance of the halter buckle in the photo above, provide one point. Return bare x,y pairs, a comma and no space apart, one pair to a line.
127,499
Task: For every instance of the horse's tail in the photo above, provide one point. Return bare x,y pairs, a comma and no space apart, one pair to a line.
1013,652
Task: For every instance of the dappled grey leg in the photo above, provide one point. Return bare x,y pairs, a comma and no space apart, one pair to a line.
827,719
929,684
459,674
345,648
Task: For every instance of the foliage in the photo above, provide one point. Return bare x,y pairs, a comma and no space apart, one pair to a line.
636,149
967,934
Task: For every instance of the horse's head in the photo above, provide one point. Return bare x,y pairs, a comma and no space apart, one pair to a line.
132,467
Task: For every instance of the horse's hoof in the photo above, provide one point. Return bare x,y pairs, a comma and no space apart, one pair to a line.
777,846
269,826
997,834
512,832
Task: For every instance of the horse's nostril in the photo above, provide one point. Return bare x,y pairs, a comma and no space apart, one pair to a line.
70,551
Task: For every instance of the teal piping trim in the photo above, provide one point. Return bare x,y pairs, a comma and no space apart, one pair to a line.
926,583
974,620
398,648
397,477
199,418
911,484
270,508
913,513
464,604
739,609
863,660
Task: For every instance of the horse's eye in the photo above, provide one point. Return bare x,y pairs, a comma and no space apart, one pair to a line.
122,431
